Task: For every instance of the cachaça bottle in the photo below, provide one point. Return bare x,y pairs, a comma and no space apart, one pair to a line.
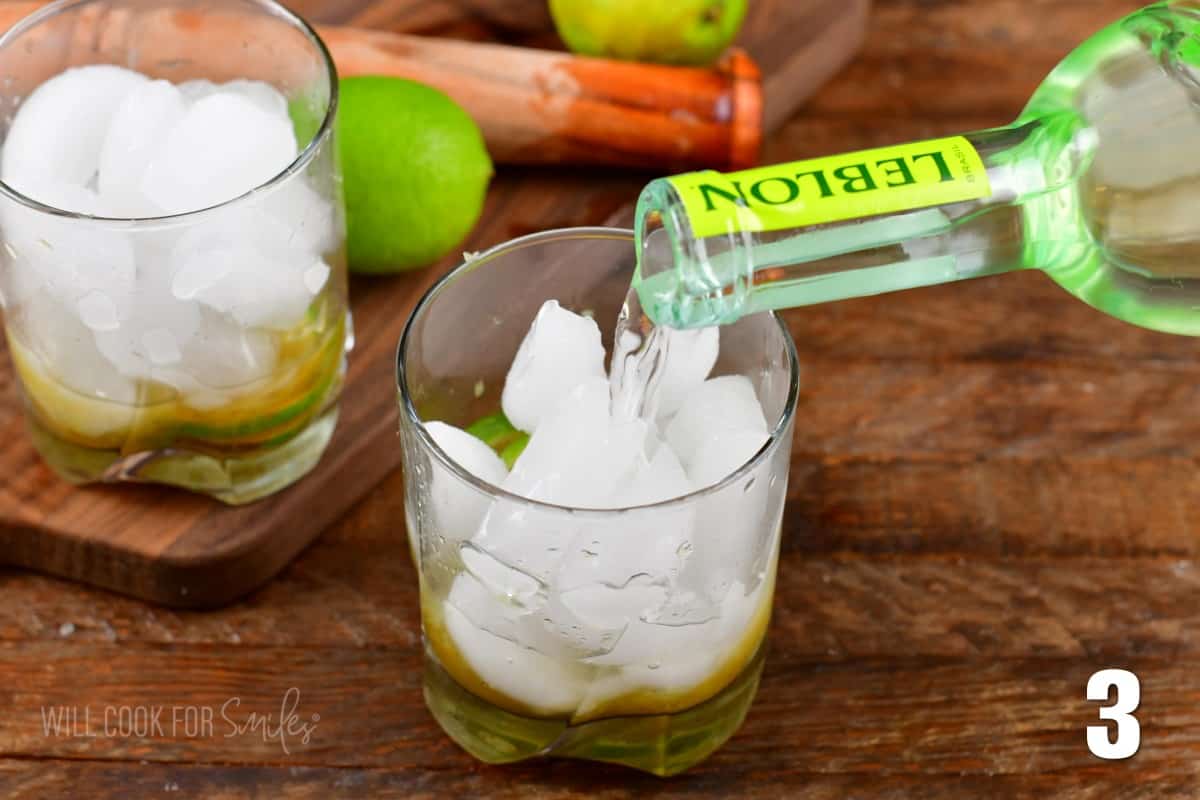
1097,183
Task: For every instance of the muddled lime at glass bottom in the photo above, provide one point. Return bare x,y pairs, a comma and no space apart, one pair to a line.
235,479
663,729
259,441
662,744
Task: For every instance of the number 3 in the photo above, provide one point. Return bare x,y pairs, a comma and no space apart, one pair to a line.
1129,732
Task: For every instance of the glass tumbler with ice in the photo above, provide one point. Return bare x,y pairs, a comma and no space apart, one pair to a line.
173,273
596,568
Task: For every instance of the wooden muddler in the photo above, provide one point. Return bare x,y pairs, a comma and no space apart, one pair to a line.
539,106
534,106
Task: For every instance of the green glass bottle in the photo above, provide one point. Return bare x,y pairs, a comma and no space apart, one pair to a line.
1097,183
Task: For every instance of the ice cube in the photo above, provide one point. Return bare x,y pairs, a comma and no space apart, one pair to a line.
580,457
29,237
224,146
457,506
153,309
647,544
732,524
262,293
139,126
576,458
225,360
484,606
573,459
71,258
515,606
196,90
98,312
557,630
614,607
690,356
723,424
160,347
265,96
309,218
258,288
315,277
468,452
530,540
43,250
677,658
291,218
720,404
244,262
545,685
721,453
644,643
561,351
667,658
658,478
502,581
196,274
63,196
57,133
68,349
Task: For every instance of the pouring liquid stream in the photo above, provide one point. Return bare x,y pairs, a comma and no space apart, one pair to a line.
1096,184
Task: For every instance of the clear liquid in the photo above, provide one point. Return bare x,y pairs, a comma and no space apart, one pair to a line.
650,727
1098,184
247,441
1136,211
663,726
640,351
664,744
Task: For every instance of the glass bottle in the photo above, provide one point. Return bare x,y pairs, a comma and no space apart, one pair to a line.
1097,183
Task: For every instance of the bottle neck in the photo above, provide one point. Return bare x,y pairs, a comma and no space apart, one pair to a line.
713,248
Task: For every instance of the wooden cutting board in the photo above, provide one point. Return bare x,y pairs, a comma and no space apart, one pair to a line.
184,550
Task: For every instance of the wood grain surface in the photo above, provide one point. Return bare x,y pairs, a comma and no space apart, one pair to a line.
533,105
994,493
188,551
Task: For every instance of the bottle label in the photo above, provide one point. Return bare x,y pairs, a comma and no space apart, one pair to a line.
863,184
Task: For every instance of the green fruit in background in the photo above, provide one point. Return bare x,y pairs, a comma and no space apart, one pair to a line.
666,31
415,173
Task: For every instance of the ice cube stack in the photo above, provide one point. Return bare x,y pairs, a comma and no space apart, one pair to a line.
565,612
191,304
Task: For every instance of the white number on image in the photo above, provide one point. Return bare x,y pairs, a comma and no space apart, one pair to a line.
1128,732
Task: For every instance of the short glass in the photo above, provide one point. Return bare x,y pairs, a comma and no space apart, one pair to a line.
652,658
124,374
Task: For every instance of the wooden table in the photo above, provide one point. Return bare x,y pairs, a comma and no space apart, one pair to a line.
993,495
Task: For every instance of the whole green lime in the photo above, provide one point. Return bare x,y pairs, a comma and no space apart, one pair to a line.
692,32
415,173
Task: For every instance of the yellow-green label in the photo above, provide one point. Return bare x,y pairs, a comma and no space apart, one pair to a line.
880,181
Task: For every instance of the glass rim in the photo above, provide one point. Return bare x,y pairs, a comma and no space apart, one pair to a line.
302,159
775,437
